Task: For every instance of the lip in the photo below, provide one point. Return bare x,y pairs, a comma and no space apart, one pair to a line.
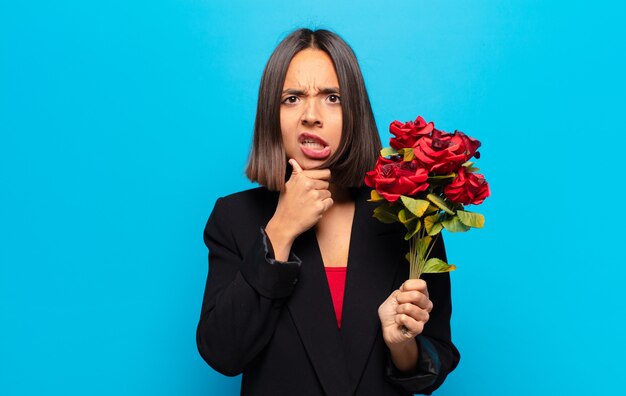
314,153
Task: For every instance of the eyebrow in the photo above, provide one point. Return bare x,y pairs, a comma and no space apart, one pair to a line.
324,90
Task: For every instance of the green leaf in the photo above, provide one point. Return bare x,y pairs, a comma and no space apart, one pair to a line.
435,266
411,222
375,197
453,224
405,216
387,151
416,206
432,224
408,154
440,203
471,219
423,244
386,213
469,165
412,228
432,209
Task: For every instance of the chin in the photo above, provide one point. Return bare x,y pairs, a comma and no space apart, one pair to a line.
307,164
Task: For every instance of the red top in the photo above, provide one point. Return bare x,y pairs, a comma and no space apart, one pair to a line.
337,283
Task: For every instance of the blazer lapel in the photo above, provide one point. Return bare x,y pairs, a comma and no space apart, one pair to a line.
376,250
312,311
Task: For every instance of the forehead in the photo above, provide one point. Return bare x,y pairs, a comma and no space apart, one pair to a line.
311,67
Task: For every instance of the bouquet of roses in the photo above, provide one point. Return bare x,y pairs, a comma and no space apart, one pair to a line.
424,181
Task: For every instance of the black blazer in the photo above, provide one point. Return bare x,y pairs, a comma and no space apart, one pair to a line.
274,321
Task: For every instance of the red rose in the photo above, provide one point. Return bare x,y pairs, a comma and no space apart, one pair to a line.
468,144
444,152
407,134
467,188
394,177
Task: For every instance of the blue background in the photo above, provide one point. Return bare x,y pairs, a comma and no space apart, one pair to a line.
122,122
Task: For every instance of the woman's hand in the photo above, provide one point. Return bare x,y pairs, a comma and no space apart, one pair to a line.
405,312
403,316
301,204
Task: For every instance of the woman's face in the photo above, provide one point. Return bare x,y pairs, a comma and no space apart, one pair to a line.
310,110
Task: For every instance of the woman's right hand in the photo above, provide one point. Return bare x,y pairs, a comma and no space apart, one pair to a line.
301,204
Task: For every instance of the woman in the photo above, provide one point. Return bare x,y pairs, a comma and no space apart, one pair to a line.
306,292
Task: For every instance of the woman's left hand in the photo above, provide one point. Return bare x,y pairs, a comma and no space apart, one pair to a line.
405,312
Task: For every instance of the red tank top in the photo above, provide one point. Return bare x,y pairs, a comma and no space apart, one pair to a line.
337,283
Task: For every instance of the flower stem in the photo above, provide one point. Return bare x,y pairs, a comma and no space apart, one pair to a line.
417,261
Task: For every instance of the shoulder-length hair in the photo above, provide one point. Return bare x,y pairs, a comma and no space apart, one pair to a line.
360,144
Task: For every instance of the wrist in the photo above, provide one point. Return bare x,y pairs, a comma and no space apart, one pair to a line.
402,345
280,239
404,355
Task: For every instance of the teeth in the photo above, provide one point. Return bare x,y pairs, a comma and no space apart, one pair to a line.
311,144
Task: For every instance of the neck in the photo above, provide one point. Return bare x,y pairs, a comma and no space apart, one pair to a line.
339,194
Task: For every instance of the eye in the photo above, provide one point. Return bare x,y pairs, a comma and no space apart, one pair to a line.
334,98
290,99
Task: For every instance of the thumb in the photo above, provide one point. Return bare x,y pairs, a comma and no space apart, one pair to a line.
295,166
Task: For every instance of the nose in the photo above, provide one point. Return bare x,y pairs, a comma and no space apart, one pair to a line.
311,115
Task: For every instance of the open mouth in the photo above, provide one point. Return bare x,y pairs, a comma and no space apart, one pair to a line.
313,146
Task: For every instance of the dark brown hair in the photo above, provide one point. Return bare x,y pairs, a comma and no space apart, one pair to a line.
360,144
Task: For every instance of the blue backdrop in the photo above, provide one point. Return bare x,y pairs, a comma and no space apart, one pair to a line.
122,122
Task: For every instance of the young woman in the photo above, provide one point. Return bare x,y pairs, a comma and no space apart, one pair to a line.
307,293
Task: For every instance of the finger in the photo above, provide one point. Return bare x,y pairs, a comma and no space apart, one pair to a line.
328,202
390,300
411,296
414,297
392,296
413,326
314,184
413,311
414,284
296,168
323,194
319,174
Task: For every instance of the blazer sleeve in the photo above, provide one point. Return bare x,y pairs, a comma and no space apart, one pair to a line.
244,295
437,354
